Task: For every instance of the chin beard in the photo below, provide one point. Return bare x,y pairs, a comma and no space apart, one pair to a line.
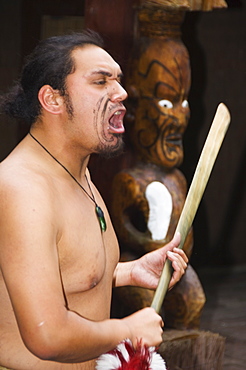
109,151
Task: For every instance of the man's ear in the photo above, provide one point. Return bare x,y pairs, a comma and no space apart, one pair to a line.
50,99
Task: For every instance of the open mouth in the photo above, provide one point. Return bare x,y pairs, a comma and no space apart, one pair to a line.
116,122
175,139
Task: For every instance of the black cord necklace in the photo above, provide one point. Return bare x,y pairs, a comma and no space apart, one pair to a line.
99,211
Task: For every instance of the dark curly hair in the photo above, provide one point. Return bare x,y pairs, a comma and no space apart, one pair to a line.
50,63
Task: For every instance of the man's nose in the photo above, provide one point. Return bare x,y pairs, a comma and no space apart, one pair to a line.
118,93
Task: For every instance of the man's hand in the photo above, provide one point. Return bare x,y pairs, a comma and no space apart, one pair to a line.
145,326
146,271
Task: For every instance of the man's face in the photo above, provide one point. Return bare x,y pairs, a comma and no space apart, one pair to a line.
94,96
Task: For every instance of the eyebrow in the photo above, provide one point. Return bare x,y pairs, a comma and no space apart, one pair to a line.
106,73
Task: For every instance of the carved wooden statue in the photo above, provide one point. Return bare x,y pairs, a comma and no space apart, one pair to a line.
149,196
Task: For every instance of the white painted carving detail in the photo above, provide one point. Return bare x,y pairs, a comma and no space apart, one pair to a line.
160,209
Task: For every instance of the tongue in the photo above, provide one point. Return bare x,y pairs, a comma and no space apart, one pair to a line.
116,123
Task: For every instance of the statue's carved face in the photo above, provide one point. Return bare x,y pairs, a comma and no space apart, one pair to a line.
161,83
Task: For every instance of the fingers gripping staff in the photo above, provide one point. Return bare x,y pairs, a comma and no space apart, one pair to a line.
125,357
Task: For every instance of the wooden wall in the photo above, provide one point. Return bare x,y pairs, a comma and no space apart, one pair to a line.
217,45
10,41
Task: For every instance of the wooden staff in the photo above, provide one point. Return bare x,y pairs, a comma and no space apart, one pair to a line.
204,167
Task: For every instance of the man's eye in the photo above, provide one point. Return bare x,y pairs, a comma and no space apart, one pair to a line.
100,82
165,103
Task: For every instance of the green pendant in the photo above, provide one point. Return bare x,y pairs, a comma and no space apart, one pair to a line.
101,218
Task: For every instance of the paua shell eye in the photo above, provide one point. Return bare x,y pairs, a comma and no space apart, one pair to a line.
185,104
165,103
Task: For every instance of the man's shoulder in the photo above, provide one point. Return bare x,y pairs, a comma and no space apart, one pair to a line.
20,177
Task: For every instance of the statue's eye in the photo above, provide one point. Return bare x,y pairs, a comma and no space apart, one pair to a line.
165,103
185,104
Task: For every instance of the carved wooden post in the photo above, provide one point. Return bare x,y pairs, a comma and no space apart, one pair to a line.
148,197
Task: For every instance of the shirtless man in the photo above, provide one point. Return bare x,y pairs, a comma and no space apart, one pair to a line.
58,263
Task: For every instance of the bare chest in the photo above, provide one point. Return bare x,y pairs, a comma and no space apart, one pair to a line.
87,256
